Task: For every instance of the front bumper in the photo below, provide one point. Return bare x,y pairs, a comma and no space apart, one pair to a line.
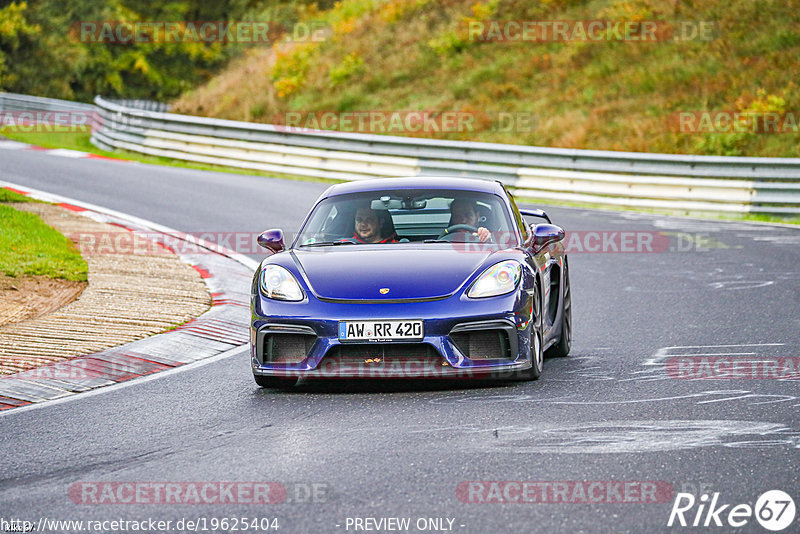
442,353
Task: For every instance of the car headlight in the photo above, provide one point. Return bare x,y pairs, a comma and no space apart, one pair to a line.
499,279
279,284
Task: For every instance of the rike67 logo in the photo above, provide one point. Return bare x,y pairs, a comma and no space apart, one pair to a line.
774,510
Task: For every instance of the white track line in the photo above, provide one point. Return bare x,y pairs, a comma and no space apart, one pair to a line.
121,385
7,144
66,153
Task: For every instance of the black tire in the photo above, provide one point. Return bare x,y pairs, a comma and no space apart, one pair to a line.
537,355
274,382
561,349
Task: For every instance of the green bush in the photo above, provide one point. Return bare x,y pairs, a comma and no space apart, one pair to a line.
351,65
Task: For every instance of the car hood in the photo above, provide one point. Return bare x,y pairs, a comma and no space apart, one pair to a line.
359,272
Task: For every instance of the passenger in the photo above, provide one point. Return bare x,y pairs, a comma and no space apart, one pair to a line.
464,211
374,226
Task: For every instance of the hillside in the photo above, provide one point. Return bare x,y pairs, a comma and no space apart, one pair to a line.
395,55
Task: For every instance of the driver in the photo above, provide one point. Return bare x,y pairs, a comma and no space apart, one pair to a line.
463,211
373,226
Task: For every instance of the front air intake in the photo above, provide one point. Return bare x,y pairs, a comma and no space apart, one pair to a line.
287,348
483,344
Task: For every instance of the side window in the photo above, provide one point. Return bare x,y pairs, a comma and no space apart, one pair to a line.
517,216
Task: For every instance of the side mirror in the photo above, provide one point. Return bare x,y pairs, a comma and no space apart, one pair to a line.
545,234
272,240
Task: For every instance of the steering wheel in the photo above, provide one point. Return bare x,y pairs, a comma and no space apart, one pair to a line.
460,227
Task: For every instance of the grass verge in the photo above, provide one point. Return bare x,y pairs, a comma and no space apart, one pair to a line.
28,246
6,195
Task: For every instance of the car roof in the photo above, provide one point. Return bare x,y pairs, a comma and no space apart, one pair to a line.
415,182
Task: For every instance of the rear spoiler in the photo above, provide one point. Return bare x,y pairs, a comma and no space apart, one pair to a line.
536,213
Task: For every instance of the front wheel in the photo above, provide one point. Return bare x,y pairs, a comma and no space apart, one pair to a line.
274,382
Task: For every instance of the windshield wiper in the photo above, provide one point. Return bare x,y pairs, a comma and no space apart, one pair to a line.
328,243
437,241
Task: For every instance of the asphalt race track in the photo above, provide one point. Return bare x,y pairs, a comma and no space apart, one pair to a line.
619,410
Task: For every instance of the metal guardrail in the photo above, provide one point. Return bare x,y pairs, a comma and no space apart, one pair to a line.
146,105
23,105
626,179
37,107
12,102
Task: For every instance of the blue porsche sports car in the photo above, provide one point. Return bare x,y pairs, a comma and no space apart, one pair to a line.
423,277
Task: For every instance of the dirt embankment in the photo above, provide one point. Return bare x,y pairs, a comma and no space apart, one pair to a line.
28,297
128,297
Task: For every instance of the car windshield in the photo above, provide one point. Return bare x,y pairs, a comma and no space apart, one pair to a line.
401,216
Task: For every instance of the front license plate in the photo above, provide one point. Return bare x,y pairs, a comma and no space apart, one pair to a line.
380,330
